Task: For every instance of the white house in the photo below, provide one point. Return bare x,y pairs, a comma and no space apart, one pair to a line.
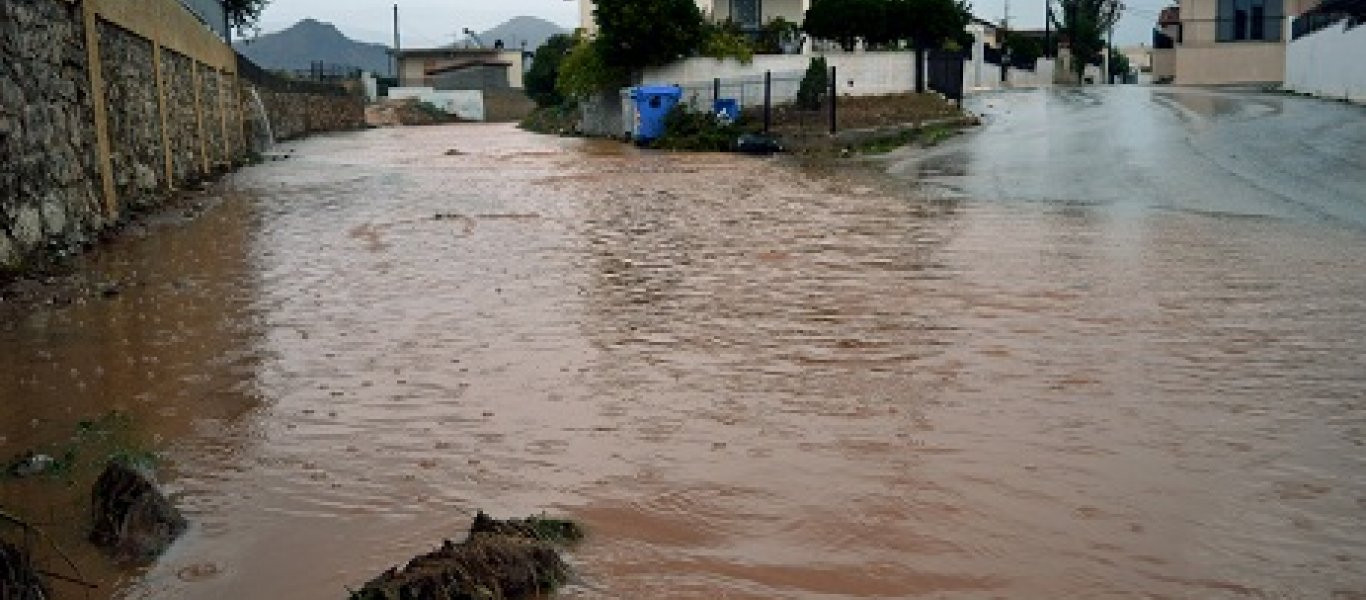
748,14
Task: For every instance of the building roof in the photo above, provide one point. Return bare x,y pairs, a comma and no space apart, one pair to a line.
450,52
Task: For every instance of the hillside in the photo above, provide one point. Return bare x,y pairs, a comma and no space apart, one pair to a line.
532,30
308,41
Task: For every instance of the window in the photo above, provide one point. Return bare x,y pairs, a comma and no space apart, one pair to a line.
747,13
1249,20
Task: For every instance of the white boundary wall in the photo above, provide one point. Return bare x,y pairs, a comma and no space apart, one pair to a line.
466,104
859,73
1330,62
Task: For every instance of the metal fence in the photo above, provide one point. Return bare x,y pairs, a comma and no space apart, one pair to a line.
212,14
278,83
324,71
769,100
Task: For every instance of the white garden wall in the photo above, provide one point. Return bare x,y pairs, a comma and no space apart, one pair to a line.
859,73
1330,62
466,104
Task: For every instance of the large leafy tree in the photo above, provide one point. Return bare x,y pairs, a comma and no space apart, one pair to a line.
926,25
920,24
1082,25
545,70
243,14
847,22
634,34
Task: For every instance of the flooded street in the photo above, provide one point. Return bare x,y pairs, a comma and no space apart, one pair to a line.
1113,344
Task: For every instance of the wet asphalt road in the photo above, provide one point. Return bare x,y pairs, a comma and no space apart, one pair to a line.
1132,149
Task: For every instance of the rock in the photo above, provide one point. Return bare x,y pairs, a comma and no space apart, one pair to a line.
131,518
500,560
18,578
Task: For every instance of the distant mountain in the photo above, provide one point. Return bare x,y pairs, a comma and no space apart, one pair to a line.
308,41
532,30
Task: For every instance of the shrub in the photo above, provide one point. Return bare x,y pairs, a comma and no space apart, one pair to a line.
584,72
726,41
815,85
685,129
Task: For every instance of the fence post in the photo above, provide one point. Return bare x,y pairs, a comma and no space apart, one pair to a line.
768,100
834,102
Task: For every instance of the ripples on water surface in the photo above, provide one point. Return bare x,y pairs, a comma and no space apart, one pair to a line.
747,381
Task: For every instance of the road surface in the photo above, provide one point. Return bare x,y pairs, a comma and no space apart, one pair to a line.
1111,345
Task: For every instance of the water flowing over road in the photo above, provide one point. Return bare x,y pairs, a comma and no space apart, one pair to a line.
1113,344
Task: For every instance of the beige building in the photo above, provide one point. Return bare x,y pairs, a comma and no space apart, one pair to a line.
749,14
461,68
1224,41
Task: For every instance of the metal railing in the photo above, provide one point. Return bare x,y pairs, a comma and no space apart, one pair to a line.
277,83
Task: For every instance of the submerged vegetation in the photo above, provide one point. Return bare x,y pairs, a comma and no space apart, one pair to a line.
499,560
94,443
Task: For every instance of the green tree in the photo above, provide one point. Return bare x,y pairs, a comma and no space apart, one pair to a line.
815,85
1024,50
920,24
243,14
634,34
542,79
584,71
927,25
1082,25
1119,63
847,22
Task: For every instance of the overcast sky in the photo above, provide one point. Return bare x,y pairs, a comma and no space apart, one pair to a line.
436,22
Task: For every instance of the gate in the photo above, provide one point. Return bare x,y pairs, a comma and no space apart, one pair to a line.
945,71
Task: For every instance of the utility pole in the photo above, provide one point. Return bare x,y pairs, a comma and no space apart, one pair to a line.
1047,27
397,47
1005,45
1110,49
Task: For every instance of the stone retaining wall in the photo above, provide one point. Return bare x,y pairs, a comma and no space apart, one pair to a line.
49,181
108,106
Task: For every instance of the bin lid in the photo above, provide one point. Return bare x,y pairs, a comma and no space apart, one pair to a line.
657,90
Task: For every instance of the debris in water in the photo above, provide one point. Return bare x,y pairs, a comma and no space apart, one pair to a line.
132,518
30,464
754,143
500,560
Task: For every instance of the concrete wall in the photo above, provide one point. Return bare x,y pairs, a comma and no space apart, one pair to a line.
1164,64
1240,62
859,73
466,104
415,64
1330,62
107,105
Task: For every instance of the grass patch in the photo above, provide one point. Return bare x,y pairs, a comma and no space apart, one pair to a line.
927,136
552,120
93,444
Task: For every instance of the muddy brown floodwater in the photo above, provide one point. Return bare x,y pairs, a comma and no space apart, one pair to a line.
748,381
